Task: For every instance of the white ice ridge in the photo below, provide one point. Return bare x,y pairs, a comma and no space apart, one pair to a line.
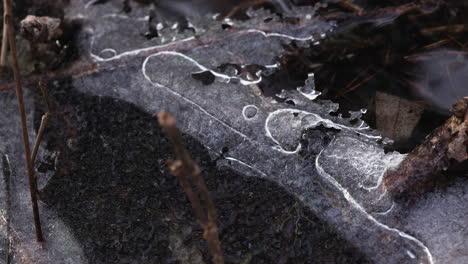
312,95
244,114
134,52
121,16
356,205
376,156
392,163
90,3
316,120
386,212
203,68
220,75
279,35
410,254
248,166
113,51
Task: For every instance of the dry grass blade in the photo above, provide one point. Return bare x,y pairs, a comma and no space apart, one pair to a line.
8,22
188,173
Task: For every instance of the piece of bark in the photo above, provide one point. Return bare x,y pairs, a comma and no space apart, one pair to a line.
445,147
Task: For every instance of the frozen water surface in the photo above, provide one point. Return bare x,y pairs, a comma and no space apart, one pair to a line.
332,165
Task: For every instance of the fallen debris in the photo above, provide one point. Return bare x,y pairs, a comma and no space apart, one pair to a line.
444,148
40,29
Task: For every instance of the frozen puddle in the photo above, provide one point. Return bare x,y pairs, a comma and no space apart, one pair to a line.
362,162
332,165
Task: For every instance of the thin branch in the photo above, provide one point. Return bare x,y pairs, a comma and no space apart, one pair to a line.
8,22
187,171
37,143
44,120
4,49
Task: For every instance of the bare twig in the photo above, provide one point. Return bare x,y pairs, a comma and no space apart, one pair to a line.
187,171
3,54
37,143
8,22
44,120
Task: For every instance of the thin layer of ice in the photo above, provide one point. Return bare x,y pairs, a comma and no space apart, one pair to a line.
340,183
263,137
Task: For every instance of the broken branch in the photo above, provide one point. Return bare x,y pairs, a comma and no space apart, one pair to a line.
4,48
447,145
44,120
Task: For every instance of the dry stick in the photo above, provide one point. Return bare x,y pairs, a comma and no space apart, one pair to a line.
4,50
186,170
19,94
443,148
44,120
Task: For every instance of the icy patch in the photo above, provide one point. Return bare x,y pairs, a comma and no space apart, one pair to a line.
223,77
250,126
253,169
147,77
362,167
369,160
279,35
356,205
124,33
287,137
440,219
249,112
131,53
308,90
